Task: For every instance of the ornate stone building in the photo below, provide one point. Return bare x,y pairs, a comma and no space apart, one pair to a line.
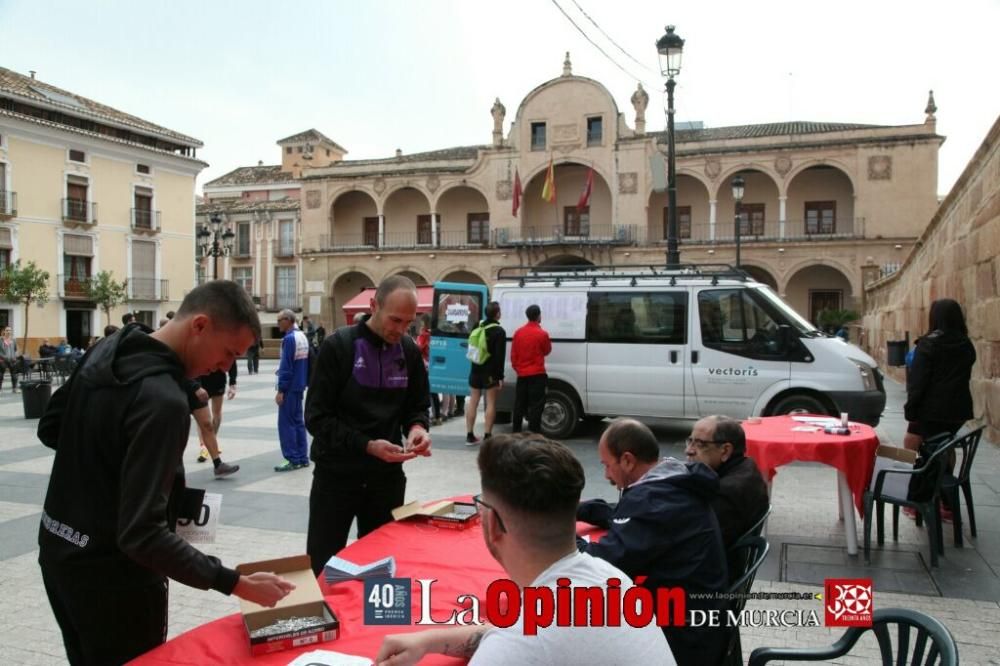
824,203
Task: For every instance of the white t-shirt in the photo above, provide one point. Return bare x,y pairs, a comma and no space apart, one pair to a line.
576,645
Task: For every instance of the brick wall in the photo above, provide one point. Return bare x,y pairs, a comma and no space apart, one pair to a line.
958,256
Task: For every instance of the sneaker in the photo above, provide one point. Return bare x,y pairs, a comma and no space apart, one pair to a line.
202,457
285,467
910,512
225,469
437,421
458,412
301,465
471,440
946,515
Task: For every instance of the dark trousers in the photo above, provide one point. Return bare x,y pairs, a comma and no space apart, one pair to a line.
529,400
13,367
102,625
336,500
253,362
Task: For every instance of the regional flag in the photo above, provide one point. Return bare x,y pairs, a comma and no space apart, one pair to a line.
517,193
587,189
549,188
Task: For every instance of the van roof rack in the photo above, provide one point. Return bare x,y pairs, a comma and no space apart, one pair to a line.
673,272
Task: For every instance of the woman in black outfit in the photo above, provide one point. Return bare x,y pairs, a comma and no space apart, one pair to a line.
938,398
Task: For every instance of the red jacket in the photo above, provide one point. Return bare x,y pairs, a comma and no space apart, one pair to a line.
529,348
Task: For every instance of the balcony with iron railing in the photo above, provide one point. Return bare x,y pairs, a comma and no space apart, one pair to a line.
8,205
148,289
276,302
74,287
283,249
79,212
145,220
761,231
591,234
397,240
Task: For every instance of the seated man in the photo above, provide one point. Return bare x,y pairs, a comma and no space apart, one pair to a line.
531,487
47,350
663,527
719,442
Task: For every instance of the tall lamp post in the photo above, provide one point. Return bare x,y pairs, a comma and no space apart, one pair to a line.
738,187
670,48
216,241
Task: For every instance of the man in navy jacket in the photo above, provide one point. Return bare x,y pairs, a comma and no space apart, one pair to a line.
663,528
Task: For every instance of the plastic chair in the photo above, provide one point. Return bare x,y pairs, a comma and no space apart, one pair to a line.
919,639
951,483
736,557
752,550
928,509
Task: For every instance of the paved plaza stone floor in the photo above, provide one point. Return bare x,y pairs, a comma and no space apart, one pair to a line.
264,515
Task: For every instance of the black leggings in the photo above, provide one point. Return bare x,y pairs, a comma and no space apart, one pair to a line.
13,367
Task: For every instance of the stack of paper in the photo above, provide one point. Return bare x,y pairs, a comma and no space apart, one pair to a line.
329,658
338,569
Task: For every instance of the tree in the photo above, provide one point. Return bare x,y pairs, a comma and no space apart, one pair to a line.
103,290
26,284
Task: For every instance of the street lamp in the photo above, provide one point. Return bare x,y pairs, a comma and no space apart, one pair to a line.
738,187
670,48
215,244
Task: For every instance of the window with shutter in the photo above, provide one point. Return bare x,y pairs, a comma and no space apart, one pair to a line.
143,280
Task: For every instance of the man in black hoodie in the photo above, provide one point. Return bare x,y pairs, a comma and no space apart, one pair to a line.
367,411
663,528
119,427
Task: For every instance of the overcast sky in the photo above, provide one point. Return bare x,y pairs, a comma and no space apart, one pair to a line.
377,75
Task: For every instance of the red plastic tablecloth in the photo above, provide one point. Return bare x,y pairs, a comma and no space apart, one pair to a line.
457,559
772,443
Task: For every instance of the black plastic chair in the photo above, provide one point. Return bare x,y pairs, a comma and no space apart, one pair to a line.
736,558
752,550
934,471
952,483
919,639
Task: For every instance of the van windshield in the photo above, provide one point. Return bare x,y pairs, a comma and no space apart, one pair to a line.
794,318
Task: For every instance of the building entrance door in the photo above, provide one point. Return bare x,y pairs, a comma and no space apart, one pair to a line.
823,300
78,328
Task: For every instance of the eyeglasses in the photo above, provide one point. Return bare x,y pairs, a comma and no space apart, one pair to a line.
478,501
702,443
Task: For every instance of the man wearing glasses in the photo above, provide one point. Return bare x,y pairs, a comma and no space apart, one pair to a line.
663,527
531,488
719,442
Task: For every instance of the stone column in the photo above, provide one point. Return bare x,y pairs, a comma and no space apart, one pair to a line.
712,203
781,216
381,230
435,229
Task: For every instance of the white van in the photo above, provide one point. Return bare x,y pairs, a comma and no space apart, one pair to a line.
685,343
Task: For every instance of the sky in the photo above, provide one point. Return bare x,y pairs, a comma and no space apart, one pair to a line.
377,75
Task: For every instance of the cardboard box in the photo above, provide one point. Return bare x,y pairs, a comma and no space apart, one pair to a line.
306,600
453,515
892,457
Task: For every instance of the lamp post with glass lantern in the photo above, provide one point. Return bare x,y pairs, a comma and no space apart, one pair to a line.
216,241
670,48
738,187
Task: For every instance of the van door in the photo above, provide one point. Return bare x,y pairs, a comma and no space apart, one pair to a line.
456,310
636,360
736,352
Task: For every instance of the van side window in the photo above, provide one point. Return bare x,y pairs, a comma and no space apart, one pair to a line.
456,315
637,317
733,321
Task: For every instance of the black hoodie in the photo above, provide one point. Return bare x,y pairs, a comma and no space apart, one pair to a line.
119,427
937,386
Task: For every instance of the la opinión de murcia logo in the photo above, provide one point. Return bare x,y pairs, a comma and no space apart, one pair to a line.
849,602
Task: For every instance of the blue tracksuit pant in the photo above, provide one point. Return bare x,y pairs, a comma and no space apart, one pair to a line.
292,429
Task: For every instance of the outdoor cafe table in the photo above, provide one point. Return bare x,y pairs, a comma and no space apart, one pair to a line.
778,440
457,559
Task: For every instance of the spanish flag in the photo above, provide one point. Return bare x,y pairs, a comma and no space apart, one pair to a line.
549,188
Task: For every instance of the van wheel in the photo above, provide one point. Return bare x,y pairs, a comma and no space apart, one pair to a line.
560,416
790,403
